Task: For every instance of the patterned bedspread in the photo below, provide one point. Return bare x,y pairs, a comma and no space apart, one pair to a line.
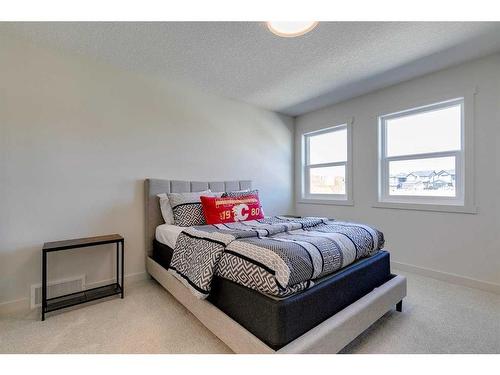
277,256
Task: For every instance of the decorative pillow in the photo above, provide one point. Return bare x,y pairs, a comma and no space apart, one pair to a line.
186,208
166,209
240,193
231,209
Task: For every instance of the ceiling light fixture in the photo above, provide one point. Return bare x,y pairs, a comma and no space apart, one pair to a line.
290,29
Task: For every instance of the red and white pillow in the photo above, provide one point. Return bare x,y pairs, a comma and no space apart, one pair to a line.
218,210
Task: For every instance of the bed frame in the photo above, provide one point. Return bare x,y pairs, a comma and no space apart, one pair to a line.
328,337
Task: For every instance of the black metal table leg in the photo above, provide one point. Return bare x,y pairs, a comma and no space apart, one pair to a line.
123,268
118,263
44,283
399,306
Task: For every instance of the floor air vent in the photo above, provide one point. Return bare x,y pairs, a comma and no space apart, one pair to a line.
56,288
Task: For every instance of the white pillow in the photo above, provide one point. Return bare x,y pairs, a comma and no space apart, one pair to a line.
166,209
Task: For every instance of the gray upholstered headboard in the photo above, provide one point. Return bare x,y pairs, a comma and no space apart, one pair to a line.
153,186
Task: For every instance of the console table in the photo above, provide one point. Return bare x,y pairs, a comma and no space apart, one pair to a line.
72,299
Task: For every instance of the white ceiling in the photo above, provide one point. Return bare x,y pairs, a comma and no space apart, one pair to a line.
244,61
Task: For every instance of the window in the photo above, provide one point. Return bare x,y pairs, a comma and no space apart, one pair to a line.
421,156
326,164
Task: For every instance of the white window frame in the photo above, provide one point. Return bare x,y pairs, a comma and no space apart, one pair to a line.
461,202
306,166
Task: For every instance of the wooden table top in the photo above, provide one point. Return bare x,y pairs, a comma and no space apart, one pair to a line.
81,242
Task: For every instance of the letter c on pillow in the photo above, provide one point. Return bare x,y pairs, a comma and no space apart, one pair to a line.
238,212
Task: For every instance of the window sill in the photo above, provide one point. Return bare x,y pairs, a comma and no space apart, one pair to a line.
427,207
332,202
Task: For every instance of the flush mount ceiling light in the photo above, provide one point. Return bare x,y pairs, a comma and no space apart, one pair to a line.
290,29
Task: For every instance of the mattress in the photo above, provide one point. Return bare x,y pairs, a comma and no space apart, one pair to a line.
277,322
167,234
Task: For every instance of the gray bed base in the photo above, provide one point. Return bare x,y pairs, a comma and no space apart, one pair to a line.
328,337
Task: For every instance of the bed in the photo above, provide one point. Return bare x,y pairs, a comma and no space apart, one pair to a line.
320,319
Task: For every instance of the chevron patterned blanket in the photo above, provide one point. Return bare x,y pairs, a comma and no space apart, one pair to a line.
278,256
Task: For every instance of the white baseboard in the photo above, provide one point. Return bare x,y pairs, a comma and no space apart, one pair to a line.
448,277
23,304
16,306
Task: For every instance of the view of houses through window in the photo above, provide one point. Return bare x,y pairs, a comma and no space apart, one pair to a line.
433,177
328,180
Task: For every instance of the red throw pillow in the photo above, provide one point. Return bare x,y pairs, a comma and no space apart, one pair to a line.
231,209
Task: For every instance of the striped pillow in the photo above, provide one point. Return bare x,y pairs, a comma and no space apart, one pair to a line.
187,209
240,193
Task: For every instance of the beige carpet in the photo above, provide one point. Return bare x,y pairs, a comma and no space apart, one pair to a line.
438,318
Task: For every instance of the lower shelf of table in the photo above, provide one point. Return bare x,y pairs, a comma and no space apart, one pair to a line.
77,298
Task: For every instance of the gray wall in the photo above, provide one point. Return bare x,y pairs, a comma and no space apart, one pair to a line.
77,139
463,245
